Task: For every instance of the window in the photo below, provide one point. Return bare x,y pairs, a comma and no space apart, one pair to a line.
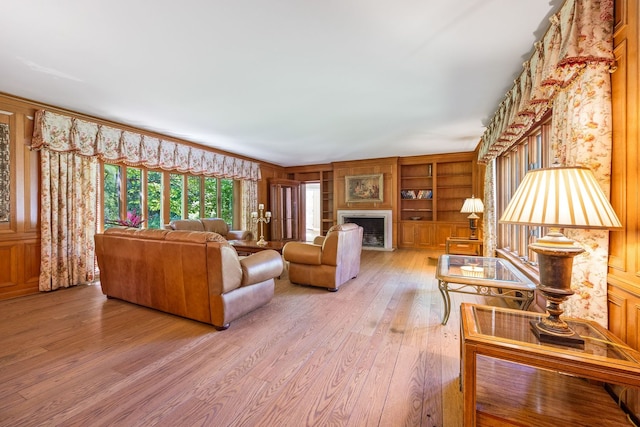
154,199
176,189
140,192
211,197
194,191
533,152
203,197
134,190
111,198
225,200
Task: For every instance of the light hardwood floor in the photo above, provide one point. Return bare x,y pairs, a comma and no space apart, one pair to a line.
372,354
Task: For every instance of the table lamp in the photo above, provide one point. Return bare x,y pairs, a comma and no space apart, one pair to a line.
472,206
558,197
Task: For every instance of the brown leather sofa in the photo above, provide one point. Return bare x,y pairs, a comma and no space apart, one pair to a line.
196,275
330,261
215,225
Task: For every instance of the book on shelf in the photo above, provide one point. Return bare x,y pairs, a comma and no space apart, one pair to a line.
425,194
408,194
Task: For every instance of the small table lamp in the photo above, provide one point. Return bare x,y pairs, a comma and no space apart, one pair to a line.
558,197
473,206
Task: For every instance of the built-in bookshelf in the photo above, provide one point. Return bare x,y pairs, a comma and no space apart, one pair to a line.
326,189
432,190
454,185
416,192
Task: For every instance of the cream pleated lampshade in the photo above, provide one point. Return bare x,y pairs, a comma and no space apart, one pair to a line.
561,197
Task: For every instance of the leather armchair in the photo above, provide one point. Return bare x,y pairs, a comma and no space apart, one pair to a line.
330,261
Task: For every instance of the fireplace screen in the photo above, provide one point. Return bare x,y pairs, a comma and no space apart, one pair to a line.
373,230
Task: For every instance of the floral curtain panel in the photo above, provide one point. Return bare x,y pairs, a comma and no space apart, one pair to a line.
249,199
582,136
62,133
68,219
568,74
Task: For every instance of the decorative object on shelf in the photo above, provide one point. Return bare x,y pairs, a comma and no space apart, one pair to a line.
133,220
425,194
559,197
261,218
415,218
473,206
429,170
364,188
408,194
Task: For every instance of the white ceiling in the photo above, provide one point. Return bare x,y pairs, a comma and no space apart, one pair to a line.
292,82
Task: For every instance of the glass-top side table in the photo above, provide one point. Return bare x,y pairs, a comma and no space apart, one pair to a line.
487,276
505,334
506,326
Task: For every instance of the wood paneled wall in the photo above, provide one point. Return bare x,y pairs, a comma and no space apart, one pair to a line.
624,256
20,237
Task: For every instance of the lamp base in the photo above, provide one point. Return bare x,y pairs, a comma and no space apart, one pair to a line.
261,242
555,261
569,339
473,226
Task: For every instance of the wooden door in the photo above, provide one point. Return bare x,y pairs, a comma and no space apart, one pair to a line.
286,221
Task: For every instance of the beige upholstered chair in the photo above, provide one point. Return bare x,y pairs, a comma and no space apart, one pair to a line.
330,261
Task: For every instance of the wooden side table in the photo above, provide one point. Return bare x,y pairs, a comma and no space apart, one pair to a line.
462,246
508,377
247,247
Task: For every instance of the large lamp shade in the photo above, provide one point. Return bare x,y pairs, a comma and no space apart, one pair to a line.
561,197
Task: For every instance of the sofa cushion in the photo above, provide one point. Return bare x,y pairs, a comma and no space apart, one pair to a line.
186,224
195,237
216,225
153,234
231,270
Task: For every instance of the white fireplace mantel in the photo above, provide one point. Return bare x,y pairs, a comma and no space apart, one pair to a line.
370,213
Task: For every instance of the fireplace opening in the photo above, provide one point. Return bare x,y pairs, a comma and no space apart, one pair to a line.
376,224
373,230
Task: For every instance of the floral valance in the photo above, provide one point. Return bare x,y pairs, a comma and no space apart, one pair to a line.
62,133
580,35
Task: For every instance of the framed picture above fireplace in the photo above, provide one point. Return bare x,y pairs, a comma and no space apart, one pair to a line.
364,188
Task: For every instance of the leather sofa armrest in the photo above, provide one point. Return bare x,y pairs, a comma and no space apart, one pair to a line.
318,240
302,253
261,266
239,235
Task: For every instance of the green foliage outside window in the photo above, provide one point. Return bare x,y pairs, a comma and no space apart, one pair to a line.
154,198
175,196
193,197
111,200
210,197
226,201
134,191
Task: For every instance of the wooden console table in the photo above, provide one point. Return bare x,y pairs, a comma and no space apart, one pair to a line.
508,377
